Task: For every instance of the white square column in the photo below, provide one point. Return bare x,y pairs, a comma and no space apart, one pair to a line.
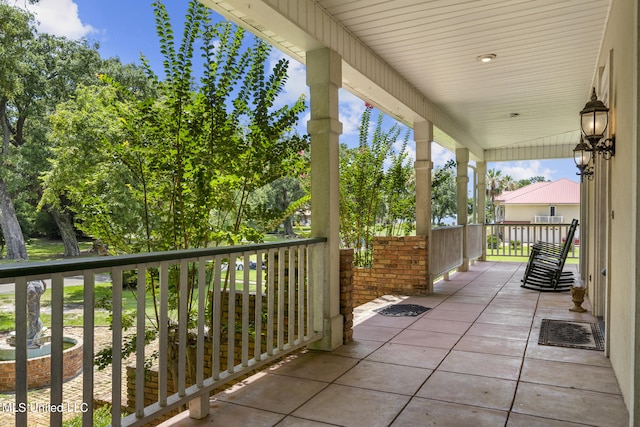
481,209
423,135
462,181
324,78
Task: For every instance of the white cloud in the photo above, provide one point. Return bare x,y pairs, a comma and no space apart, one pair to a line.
351,108
60,18
410,149
440,155
525,169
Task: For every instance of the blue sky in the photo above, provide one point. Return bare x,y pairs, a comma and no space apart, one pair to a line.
126,29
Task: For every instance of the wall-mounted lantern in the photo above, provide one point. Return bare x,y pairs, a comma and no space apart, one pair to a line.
594,119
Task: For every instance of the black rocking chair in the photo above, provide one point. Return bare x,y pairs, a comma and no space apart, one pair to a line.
546,262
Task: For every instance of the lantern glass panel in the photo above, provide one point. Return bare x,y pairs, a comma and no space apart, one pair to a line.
582,157
594,123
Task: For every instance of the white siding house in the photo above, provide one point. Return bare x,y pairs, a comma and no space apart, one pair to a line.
551,202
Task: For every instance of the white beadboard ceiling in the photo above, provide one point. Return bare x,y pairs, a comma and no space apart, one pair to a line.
530,95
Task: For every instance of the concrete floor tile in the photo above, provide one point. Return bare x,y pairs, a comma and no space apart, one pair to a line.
488,365
563,313
426,338
354,407
459,316
564,354
572,375
506,319
275,393
315,365
423,412
469,298
491,330
385,377
409,355
390,321
226,414
459,306
444,326
357,349
374,333
507,309
521,420
472,390
565,404
292,421
492,345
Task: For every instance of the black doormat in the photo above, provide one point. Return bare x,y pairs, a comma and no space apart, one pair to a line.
569,333
402,310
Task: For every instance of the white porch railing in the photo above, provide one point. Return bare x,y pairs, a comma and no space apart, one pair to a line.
517,239
445,249
548,219
475,240
289,323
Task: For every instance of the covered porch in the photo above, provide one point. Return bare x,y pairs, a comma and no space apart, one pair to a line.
489,81
473,359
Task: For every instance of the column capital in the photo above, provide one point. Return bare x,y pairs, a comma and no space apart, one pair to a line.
422,131
462,155
324,66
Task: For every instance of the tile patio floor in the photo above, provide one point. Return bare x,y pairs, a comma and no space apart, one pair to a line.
473,360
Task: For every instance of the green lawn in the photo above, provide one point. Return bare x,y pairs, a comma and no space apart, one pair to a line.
73,303
73,300
47,250
512,258
500,258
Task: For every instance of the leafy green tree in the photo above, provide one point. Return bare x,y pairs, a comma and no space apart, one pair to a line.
185,161
365,185
443,192
15,35
532,180
46,69
279,202
171,163
399,192
56,67
173,167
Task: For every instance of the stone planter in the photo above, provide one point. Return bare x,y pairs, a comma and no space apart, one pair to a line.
577,296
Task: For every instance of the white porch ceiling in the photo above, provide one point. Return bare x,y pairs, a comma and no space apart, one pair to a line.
524,104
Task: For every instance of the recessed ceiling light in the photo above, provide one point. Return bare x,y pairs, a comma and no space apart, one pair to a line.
486,58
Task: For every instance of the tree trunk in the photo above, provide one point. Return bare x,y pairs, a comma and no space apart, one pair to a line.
288,227
16,248
283,201
67,231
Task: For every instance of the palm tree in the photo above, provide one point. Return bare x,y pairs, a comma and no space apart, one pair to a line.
509,184
494,188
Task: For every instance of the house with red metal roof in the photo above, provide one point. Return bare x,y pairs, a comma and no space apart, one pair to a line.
549,202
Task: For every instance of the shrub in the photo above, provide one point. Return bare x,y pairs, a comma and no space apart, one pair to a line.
493,241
